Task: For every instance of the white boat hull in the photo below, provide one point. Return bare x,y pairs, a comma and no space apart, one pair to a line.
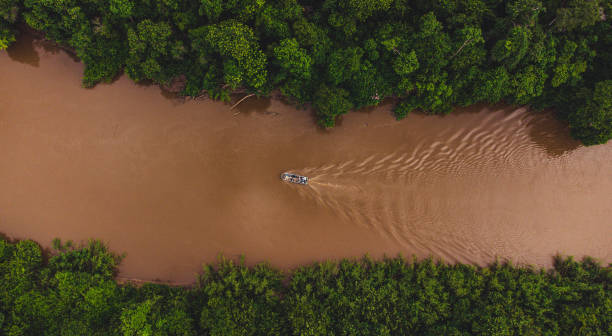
294,178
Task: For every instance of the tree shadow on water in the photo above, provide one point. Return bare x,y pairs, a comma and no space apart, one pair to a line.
551,134
252,105
168,92
543,128
52,48
175,97
24,50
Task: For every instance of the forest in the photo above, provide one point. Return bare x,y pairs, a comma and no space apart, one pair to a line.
342,55
72,290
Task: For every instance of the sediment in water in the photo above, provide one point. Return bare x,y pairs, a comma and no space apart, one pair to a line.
149,173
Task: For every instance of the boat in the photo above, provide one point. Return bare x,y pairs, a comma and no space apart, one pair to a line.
293,178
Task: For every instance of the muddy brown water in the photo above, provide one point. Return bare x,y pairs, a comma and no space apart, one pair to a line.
173,183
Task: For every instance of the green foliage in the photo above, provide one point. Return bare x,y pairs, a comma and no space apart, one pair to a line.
511,50
493,86
331,103
405,63
393,297
73,293
9,12
212,9
240,301
6,38
293,60
243,61
402,110
578,14
343,64
345,54
360,9
525,11
295,69
121,8
92,258
158,315
569,65
592,122
148,44
36,296
19,268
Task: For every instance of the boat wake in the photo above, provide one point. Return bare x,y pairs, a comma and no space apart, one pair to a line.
409,195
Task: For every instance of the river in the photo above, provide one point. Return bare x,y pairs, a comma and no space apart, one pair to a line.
173,183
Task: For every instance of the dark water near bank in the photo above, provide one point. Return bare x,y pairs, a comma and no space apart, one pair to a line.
173,183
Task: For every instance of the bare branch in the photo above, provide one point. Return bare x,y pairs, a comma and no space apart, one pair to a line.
462,46
241,100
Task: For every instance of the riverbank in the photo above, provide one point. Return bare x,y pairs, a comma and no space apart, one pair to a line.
73,290
341,56
149,173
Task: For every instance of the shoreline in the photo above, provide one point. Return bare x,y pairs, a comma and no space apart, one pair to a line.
241,261
126,164
173,89
75,290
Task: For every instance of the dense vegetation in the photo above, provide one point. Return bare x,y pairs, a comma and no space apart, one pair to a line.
347,54
72,291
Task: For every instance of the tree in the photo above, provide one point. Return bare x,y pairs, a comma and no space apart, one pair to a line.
9,12
431,44
154,317
359,9
511,50
294,60
571,63
149,46
60,20
121,8
296,70
524,11
212,9
432,47
274,20
469,48
527,84
429,54
331,103
343,64
238,49
402,109
314,39
72,293
240,301
405,63
592,122
6,37
492,85
578,14
368,86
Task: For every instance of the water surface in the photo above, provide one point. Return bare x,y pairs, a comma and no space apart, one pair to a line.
172,183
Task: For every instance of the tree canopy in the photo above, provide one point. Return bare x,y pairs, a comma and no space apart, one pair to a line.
340,55
72,290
